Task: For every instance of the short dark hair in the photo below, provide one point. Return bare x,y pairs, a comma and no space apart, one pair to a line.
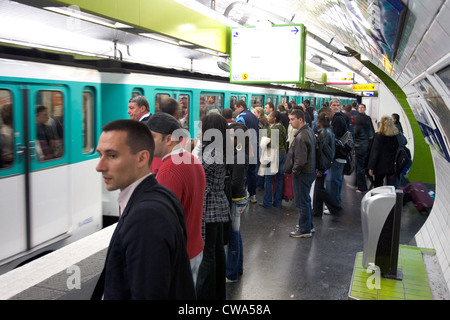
241,103
40,109
299,114
271,106
227,113
140,101
169,105
139,136
323,119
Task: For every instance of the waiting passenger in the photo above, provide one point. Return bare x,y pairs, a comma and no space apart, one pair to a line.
278,137
139,108
147,257
170,106
335,176
381,163
182,173
227,113
324,157
239,202
364,132
263,124
216,209
251,121
301,163
284,119
397,122
262,118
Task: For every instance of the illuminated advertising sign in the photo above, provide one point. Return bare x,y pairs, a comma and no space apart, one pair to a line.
255,58
339,78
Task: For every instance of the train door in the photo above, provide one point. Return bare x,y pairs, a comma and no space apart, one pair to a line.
49,170
13,238
35,184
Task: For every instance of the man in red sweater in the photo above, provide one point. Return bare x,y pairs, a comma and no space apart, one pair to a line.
183,173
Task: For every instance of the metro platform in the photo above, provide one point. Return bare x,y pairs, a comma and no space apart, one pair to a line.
276,266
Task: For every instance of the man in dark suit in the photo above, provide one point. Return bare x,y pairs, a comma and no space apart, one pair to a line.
139,109
147,256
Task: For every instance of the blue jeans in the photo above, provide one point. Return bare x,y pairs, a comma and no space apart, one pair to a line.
334,180
276,196
235,256
302,186
252,176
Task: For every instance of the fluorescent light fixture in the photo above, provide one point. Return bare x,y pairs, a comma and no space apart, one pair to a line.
204,10
75,12
209,51
159,37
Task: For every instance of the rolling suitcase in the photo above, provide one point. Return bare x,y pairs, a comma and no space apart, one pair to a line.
288,189
419,196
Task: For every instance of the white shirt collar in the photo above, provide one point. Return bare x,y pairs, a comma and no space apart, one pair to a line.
174,151
145,115
125,194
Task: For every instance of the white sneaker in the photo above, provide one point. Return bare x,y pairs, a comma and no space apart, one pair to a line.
253,199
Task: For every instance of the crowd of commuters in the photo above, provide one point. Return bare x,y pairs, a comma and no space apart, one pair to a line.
178,235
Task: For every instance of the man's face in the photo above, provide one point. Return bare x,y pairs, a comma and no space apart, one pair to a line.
295,123
267,109
161,146
362,108
119,167
335,106
135,112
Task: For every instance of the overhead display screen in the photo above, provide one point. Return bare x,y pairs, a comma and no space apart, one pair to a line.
273,54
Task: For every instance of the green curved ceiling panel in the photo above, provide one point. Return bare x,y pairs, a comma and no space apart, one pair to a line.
165,17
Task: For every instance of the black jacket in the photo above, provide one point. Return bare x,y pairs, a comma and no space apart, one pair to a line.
339,127
382,153
147,257
301,157
325,149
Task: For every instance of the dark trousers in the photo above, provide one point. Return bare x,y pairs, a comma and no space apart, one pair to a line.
211,274
321,196
391,180
360,157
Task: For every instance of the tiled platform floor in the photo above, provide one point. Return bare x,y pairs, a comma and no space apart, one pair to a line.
413,285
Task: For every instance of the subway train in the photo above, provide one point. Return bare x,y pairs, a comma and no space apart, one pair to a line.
51,118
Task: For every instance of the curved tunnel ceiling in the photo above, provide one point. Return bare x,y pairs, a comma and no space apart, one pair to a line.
372,28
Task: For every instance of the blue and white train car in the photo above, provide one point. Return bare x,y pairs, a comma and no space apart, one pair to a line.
50,193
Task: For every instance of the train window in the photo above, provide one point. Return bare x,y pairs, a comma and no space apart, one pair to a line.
210,103
184,101
158,98
49,125
233,100
257,101
88,121
6,129
137,92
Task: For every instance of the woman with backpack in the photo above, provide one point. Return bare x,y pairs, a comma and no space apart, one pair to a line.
324,157
382,162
